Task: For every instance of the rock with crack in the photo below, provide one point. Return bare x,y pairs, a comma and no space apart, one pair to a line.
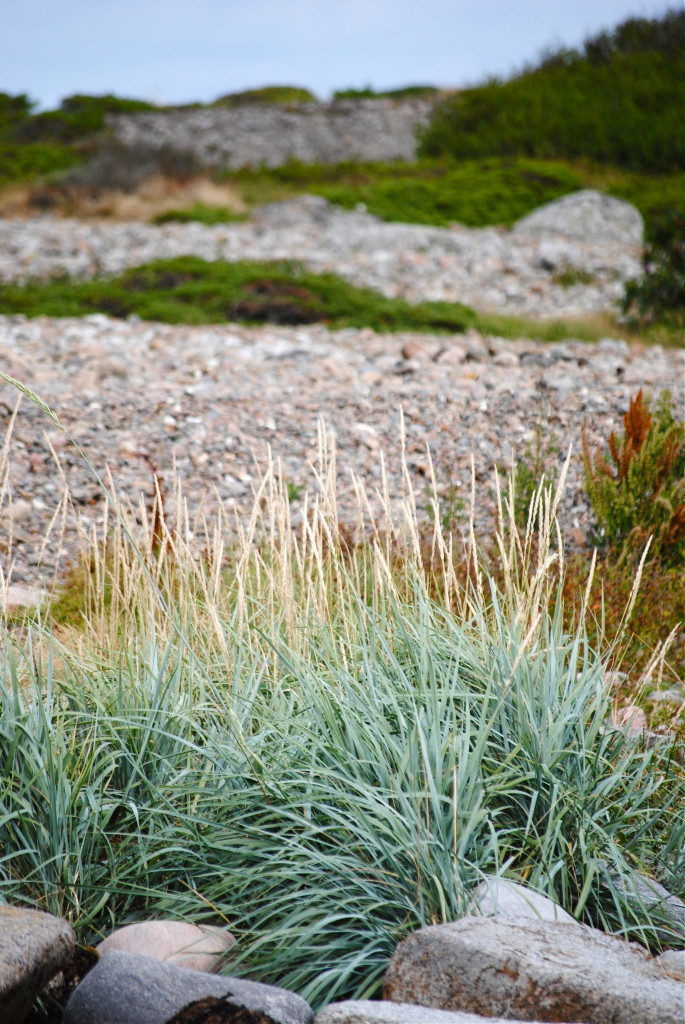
124,988
33,948
533,970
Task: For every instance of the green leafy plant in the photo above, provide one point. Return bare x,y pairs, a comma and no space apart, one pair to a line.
637,490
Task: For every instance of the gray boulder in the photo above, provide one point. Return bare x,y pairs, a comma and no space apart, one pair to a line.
365,1011
639,889
533,970
33,948
128,989
500,897
587,216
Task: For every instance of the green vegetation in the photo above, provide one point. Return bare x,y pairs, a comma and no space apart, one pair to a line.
638,490
201,213
321,744
193,291
618,101
267,94
659,296
404,92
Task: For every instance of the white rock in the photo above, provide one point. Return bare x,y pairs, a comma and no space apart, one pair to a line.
195,947
500,897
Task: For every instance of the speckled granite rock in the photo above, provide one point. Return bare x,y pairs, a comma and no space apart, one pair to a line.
33,947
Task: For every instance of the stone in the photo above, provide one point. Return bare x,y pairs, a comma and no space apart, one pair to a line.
587,216
507,359
195,947
630,717
657,898
500,897
19,511
533,970
124,988
455,355
673,963
33,947
20,596
367,1011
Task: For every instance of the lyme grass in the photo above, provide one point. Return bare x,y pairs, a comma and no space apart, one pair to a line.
306,740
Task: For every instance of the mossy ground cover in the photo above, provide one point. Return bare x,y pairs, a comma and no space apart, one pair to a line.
192,291
189,290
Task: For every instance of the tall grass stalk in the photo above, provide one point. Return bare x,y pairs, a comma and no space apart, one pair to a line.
289,732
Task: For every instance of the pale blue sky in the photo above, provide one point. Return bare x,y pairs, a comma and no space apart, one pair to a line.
174,51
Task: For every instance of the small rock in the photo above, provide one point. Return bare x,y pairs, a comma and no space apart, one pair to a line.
33,948
630,717
195,947
508,359
673,963
640,888
124,988
16,596
500,897
455,355
19,511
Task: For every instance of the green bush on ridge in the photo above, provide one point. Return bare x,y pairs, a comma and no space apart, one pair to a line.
618,102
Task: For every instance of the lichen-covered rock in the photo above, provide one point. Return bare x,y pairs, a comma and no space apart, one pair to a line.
587,216
366,1011
533,970
33,948
124,988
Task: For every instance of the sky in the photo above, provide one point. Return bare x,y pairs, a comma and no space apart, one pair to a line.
181,51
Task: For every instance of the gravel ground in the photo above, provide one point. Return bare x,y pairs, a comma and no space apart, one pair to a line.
213,400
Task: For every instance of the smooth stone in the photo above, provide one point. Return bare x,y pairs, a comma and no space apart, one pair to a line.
367,1011
123,988
673,962
195,947
500,897
33,947
532,969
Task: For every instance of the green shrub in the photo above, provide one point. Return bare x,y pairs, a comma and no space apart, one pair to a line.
405,92
638,489
659,296
78,117
267,94
623,106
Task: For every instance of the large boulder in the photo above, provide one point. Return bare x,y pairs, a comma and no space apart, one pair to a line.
33,948
195,947
366,1011
587,216
124,988
500,897
533,970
